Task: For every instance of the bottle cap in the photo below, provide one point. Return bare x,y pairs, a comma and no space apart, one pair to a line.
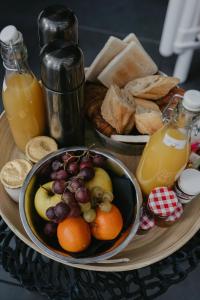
10,34
62,67
189,182
57,22
191,100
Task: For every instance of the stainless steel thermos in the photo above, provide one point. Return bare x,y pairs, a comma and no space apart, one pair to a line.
62,75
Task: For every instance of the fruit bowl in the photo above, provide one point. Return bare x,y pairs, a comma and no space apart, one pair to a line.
127,198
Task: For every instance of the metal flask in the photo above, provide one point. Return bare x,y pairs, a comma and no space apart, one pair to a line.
57,22
62,75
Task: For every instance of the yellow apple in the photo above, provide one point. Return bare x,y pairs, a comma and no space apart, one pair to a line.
101,179
45,199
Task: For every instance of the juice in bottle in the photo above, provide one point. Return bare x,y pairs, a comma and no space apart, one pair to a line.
23,103
167,152
164,157
22,94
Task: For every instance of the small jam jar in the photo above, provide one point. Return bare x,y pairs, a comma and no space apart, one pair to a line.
147,222
162,202
188,185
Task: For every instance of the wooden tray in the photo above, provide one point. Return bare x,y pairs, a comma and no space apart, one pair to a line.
142,251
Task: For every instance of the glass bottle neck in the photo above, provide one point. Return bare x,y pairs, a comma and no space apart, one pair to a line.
15,58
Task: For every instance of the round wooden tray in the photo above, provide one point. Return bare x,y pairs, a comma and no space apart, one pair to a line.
142,251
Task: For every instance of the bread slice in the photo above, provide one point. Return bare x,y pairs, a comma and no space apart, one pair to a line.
132,62
112,47
148,117
151,87
118,111
131,37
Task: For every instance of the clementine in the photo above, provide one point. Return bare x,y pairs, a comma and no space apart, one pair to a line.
107,225
74,234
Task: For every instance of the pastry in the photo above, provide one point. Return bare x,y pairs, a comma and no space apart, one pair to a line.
112,47
151,87
132,62
117,110
40,146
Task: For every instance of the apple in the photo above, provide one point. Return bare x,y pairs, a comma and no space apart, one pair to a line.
45,198
100,179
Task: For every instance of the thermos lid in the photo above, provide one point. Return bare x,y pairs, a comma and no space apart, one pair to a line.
57,22
62,66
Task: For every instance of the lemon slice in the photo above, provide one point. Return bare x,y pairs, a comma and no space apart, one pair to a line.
40,146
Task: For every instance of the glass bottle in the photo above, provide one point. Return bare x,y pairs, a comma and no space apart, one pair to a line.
22,94
167,152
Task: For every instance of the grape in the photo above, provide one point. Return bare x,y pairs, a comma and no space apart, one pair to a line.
105,206
62,174
85,206
50,229
53,175
73,168
56,165
50,213
82,195
87,173
97,192
108,196
89,216
58,186
75,210
61,210
86,164
67,196
99,160
76,183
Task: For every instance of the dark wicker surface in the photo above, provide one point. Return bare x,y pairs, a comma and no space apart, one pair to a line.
56,281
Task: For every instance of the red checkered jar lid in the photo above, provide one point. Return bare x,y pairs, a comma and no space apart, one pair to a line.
147,221
176,214
162,201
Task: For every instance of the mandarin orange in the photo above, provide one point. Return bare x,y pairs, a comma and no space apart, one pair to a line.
74,234
107,225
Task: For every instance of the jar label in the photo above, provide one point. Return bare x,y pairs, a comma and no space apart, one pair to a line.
174,143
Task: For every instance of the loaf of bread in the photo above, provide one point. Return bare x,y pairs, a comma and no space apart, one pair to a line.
112,47
132,62
148,117
118,111
151,87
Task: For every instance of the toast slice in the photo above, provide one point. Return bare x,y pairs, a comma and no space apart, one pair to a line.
151,87
117,110
112,47
132,62
131,37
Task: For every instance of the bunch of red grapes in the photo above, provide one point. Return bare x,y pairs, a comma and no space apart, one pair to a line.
69,176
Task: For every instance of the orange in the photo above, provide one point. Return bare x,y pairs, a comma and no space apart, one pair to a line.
107,225
74,234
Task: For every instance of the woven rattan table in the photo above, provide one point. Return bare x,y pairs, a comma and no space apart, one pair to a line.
56,281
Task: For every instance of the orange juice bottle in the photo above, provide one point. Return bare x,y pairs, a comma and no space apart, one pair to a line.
167,152
22,94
